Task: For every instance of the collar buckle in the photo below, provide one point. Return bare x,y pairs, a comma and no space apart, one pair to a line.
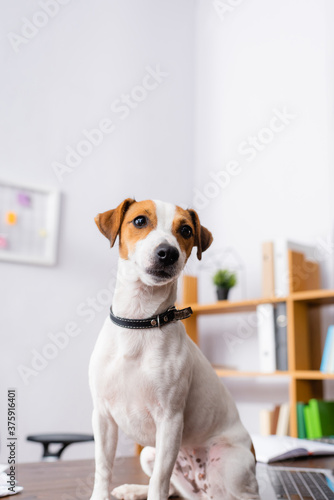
183,313
170,315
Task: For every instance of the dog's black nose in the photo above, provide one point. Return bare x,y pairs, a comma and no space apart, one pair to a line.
167,254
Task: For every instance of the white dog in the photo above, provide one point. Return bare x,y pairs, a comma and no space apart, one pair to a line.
148,378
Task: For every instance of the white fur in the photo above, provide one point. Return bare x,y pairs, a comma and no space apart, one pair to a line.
157,386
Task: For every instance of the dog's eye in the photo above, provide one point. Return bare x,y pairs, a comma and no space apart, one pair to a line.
140,221
186,232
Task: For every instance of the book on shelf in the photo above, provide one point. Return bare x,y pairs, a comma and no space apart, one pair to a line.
301,421
275,421
315,419
276,448
275,265
327,361
309,423
268,277
323,417
265,422
283,420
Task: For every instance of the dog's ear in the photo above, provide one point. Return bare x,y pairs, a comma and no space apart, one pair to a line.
109,223
203,237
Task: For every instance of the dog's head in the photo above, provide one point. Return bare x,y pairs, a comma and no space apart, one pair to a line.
157,237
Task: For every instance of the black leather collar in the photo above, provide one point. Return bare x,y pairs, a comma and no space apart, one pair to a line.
172,314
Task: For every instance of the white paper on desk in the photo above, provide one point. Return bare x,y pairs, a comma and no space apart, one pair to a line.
274,448
4,491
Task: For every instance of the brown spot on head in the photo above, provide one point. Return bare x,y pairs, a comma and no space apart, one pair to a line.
184,230
130,234
120,222
198,235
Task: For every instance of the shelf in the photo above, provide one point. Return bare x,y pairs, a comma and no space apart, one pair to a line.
226,306
224,372
298,374
312,375
314,297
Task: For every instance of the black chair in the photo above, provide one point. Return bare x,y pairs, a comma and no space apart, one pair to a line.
64,440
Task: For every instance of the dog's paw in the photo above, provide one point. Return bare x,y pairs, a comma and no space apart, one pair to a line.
100,495
131,492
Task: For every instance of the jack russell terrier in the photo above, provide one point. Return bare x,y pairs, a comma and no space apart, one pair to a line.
148,377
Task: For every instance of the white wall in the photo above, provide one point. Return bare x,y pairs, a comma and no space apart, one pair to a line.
253,59
61,82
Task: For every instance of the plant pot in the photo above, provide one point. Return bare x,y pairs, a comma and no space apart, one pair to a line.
222,293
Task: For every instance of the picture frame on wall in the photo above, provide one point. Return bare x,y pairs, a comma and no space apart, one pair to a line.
29,223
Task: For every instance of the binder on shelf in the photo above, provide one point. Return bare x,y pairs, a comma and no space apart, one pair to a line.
281,341
266,337
327,361
330,368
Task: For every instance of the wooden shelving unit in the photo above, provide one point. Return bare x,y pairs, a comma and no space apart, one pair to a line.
303,330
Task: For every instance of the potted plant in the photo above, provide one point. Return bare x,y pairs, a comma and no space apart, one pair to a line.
224,281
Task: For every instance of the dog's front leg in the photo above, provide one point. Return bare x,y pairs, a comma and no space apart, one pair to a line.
168,441
105,435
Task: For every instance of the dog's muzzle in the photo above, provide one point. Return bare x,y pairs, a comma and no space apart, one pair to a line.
164,262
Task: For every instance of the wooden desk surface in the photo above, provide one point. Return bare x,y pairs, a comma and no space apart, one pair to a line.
73,480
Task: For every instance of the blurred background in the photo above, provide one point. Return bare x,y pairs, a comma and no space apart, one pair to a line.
222,106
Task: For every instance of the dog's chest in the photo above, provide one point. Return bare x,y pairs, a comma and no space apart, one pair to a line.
140,384
134,398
